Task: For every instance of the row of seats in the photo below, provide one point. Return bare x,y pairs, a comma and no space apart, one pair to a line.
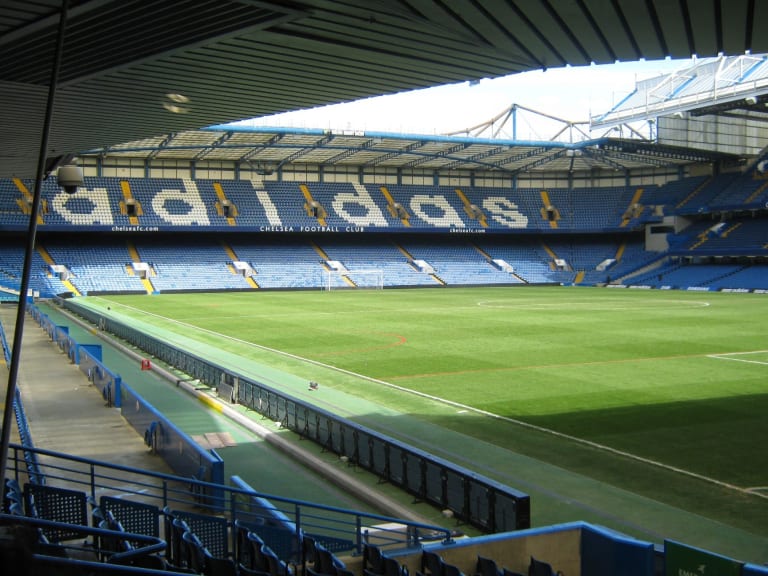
296,263
188,552
318,560
139,534
377,563
284,204
433,565
196,203
536,567
126,532
681,274
63,530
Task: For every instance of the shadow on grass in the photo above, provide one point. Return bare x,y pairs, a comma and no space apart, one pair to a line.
718,439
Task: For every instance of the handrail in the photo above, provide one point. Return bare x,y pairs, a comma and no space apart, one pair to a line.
87,567
33,466
168,490
143,545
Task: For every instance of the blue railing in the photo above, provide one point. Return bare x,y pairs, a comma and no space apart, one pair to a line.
198,478
471,497
33,467
243,505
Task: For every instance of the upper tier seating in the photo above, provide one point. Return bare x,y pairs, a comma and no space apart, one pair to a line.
292,244
136,204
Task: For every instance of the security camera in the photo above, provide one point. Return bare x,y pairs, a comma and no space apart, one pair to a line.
70,177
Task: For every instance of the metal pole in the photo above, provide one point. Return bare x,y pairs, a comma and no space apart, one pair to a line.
13,369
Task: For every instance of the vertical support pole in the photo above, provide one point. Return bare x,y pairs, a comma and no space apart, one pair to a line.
514,122
13,368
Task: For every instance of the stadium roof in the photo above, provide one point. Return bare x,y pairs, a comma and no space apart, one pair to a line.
133,69
267,150
708,86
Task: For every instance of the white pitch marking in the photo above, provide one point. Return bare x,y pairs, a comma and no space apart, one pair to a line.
590,305
729,356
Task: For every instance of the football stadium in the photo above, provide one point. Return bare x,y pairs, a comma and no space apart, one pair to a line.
252,349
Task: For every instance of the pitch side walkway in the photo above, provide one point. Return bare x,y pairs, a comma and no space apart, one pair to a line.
64,411
557,495
67,414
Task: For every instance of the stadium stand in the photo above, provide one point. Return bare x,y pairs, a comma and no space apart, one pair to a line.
672,193
164,234
287,262
201,265
364,254
97,268
272,239
595,238
456,262
172,234
13,207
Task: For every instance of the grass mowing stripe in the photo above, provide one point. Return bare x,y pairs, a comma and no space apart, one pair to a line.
571,365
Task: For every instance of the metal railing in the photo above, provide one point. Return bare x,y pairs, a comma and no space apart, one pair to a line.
473,498
348,529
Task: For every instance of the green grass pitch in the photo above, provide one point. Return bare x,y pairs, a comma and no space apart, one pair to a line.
664,393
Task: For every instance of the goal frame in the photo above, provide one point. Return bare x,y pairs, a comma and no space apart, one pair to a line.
354,275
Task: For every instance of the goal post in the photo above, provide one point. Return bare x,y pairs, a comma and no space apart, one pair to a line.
369,278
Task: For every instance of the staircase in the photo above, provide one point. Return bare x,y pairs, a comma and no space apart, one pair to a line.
48,260
693,193
145,281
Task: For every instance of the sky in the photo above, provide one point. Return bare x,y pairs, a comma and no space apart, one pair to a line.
571,94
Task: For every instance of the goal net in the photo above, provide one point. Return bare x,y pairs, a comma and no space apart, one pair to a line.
372,278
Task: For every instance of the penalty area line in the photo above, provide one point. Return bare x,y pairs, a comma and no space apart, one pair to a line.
731,356
464,408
